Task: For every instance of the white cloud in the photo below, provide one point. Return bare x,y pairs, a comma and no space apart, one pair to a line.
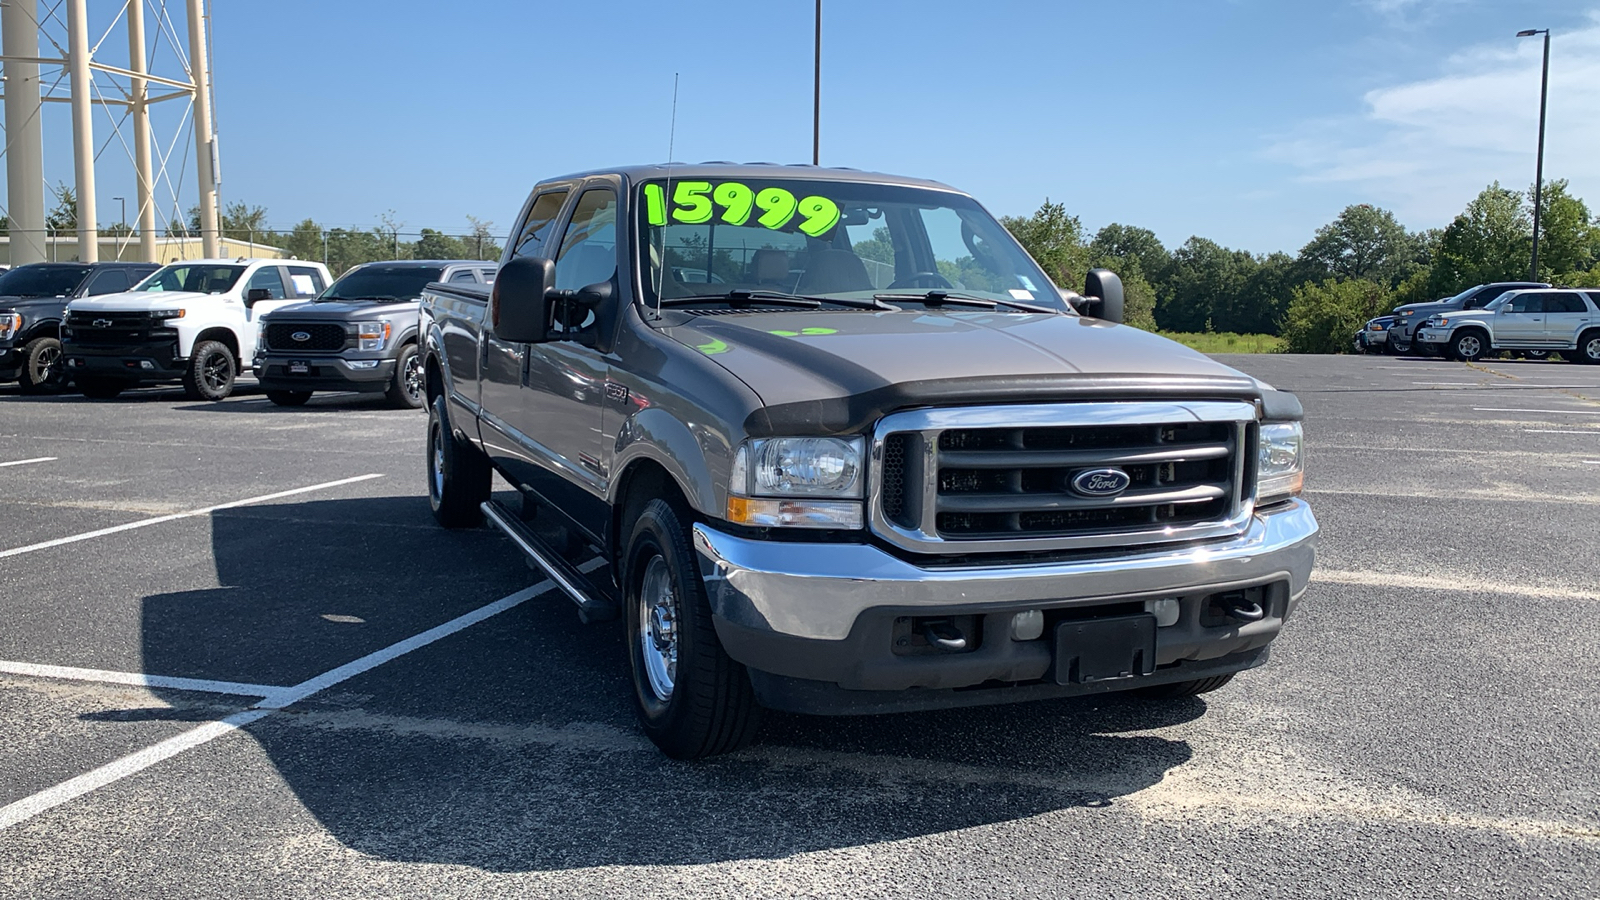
1425,148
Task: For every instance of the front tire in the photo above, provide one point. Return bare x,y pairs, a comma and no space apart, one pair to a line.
692,699
44,371
1186,688
1468,346
210,373
289,398
459,477
408,388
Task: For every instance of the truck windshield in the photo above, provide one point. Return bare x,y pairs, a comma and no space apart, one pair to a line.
387,284
200,279
42,280
830,239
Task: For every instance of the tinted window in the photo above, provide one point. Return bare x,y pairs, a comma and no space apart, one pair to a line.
187,277
1564,303
383,284
1523,303
1485,297
108,281
589,247
487,275
536,230
305,281
42,281
267,277
463,276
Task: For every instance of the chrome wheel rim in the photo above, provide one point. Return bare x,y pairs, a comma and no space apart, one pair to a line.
1593,349
412,378
658,628
1468,346
436,459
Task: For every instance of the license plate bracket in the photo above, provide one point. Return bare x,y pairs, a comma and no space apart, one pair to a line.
1105,649
299,367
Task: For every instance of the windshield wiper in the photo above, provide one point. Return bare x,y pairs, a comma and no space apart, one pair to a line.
776,298
940,297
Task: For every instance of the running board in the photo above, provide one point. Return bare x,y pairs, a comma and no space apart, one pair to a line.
594,604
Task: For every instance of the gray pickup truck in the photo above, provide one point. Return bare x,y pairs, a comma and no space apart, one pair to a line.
360,334
867,459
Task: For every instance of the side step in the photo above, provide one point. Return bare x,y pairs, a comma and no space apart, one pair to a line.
594,604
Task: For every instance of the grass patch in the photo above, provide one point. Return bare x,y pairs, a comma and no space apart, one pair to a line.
1207,342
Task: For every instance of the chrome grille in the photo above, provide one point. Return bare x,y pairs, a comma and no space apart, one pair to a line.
992,478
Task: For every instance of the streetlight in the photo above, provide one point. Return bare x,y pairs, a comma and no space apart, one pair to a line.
122,237
1538,172
816,95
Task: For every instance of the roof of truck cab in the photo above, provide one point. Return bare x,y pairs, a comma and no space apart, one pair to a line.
728,170
431,263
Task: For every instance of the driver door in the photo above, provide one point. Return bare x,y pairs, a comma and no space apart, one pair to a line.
1520,321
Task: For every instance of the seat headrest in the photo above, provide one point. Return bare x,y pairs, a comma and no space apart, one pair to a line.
769,266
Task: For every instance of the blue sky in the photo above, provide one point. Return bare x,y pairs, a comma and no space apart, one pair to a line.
1251,122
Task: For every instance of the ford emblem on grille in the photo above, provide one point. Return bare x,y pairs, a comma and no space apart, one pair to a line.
301,335
101,323
1101,482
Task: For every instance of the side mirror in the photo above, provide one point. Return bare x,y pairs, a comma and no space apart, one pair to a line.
1102,292
519,301
254,294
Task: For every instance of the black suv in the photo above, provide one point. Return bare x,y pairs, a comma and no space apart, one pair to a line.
32,300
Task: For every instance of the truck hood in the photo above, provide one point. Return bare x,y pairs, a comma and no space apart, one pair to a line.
141,300
33,307
841,369
1420,311
339,310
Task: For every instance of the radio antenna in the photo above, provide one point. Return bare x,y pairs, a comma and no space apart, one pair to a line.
672,137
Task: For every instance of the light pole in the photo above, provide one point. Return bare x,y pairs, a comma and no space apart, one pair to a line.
122,238
1538,171
816,95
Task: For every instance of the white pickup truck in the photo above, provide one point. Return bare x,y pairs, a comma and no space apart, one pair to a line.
188,322
1559,320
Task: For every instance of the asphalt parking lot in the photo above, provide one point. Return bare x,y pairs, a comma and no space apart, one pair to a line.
237,659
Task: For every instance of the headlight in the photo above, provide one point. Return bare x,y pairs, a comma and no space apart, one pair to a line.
1436,323
1377,326
813,482
1280,468
10,324
373,335
166,313
1406,313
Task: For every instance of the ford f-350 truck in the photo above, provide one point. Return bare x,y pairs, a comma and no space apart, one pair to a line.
869,458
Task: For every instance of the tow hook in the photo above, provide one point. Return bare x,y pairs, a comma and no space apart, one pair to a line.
942,633
1241,608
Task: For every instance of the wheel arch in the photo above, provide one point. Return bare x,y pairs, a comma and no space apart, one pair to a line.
222,335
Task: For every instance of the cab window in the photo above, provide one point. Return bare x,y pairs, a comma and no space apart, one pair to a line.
536,229
267,277
305,281
109,281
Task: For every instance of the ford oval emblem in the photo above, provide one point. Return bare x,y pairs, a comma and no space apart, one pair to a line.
1101,482
301,335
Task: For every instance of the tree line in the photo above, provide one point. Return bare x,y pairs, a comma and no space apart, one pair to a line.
1362,264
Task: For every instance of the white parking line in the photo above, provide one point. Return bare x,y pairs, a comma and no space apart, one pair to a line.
72,788
1471,585
142,523
1564,412
103,676
1453,383
24,462
1558,431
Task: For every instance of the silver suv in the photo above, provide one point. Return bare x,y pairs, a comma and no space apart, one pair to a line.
1549,319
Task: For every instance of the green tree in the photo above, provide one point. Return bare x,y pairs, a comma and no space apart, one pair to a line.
1322,317
1116,241
64,216
304,241
1363,242
1491,240
436,245
1055,240
1201,290
1568,240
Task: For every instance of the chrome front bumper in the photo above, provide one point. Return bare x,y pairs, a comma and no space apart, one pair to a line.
817,591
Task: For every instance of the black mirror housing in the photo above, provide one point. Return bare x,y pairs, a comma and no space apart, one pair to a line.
254,294
1102,290
519,302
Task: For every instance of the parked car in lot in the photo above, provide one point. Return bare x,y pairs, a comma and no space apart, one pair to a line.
358,335
1374,336
963,487
33,298
1410,316
1540,321
189,322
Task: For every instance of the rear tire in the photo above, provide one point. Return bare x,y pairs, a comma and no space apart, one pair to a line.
1589,347
44,371
100,388
408,388
1535,354
1186,688
210,373
459,476
692,699
289,398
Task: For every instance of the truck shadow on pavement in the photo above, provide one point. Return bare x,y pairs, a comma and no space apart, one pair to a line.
511,746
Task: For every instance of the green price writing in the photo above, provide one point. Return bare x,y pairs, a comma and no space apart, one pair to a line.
697,202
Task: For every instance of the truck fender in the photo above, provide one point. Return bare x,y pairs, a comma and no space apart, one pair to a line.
656,435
